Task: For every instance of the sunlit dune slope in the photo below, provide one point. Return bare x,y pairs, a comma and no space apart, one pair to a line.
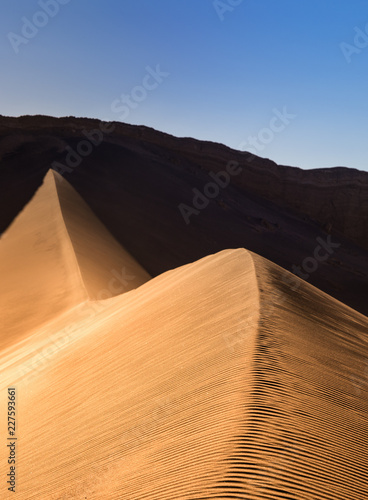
226,378
143,399
46,257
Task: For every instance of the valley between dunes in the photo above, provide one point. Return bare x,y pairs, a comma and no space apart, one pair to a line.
227,378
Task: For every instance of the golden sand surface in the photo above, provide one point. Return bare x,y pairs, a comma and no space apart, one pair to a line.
227,378
55,255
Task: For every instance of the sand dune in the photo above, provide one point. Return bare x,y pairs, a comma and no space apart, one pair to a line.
136,179
47,257
225,378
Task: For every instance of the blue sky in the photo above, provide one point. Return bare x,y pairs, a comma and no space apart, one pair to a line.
228,69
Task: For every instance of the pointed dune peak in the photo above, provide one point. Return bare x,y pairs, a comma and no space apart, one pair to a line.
107,269
55,255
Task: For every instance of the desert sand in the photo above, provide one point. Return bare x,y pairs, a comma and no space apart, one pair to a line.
56,255
225,378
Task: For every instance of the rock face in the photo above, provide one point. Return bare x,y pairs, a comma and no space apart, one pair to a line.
137,181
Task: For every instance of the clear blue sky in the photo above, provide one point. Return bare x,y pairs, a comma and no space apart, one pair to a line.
227,66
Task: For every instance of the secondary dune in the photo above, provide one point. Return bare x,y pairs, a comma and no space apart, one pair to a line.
54,256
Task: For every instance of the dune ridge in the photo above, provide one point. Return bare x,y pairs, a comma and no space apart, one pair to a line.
306,431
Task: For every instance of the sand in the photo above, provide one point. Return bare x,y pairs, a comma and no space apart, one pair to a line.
225,378
55,256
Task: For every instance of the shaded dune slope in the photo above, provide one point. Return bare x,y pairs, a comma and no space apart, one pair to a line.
305,428
46,257
226,378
